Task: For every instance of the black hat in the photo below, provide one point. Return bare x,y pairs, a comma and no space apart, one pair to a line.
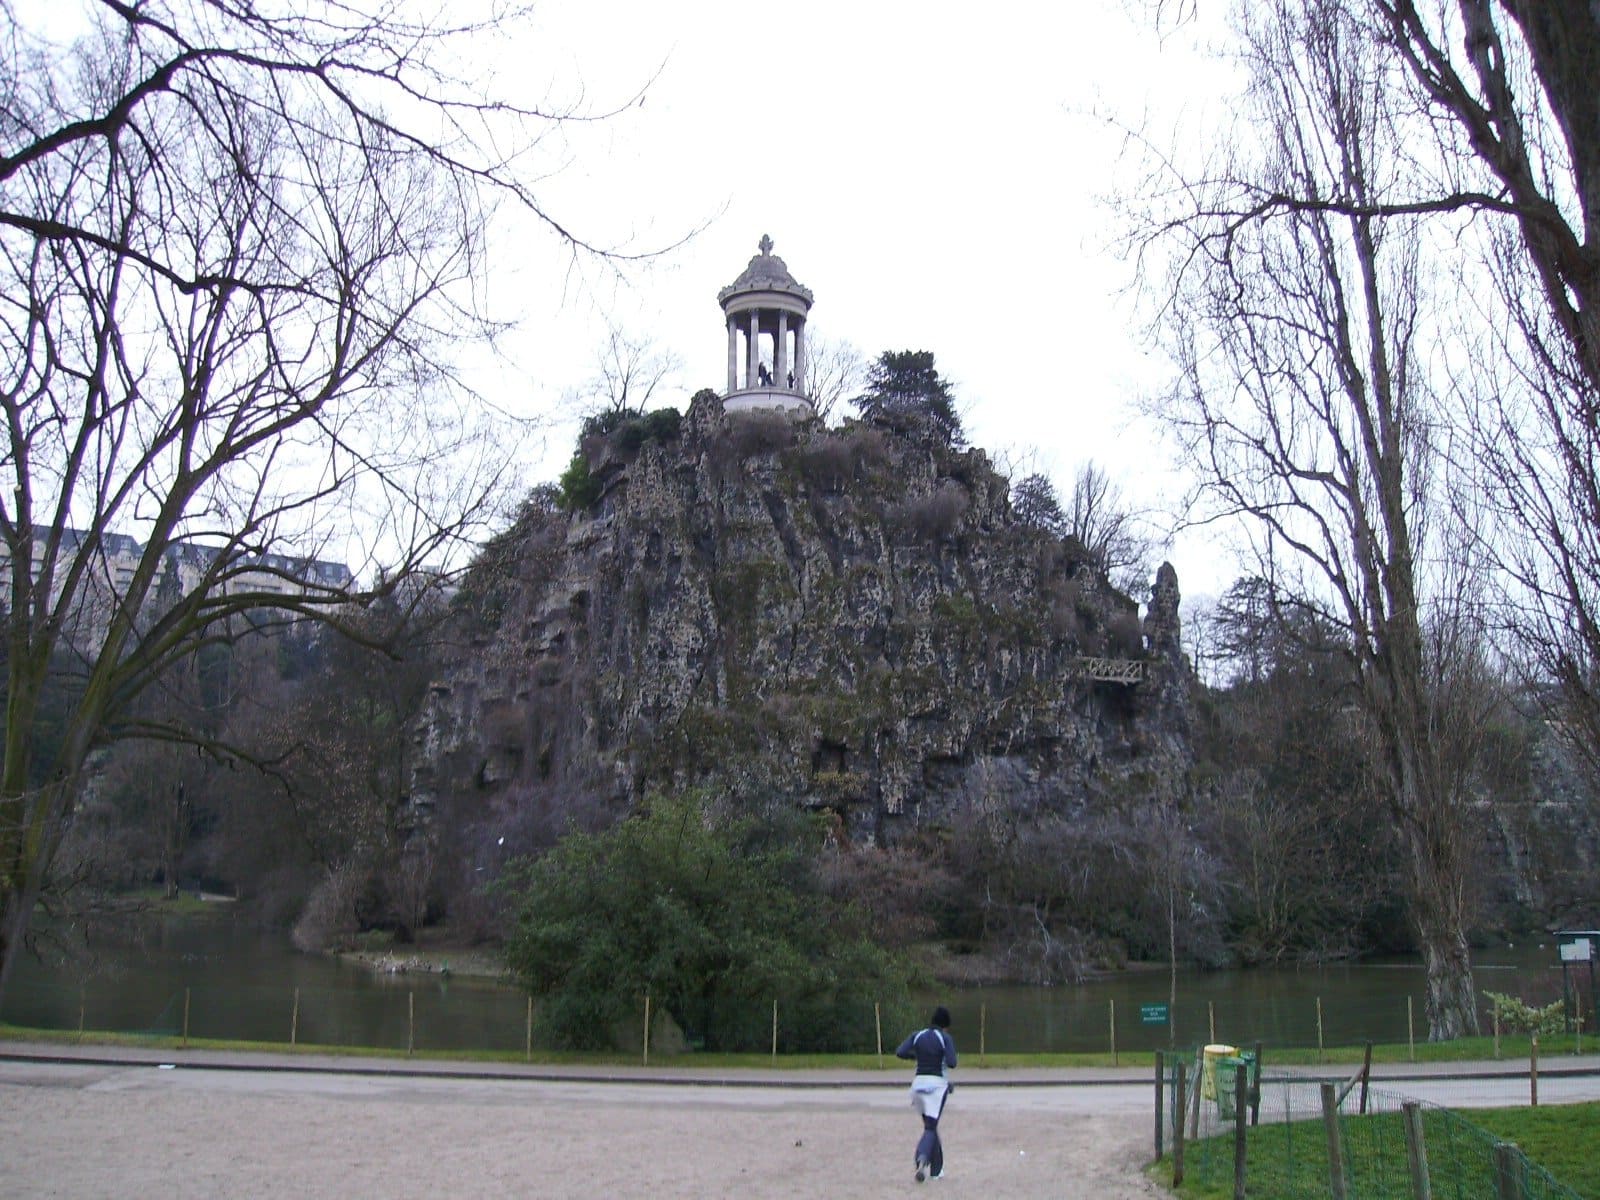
941,1017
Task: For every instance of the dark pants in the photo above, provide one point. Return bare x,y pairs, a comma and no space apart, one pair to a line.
929,1148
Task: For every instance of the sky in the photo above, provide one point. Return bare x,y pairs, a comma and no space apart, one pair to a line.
938,174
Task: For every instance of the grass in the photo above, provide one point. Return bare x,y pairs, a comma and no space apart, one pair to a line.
1464,1050
1290,1159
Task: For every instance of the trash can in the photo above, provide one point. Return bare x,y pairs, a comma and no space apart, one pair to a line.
1209,1057
1227,1073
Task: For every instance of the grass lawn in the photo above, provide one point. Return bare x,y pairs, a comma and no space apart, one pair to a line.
1288,1160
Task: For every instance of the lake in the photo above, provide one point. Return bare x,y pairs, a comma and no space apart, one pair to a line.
247,984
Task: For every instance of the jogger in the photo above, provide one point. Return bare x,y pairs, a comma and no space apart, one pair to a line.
935,1052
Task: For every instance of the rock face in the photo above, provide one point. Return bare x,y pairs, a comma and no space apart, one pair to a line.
847,619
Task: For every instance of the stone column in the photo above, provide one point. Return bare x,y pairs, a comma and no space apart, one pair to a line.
733,354
753,362
780,353
800,357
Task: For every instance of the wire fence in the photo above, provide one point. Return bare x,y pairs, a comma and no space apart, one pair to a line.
432,1011
1326,1137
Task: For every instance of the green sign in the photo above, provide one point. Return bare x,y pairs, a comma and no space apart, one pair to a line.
1152,1014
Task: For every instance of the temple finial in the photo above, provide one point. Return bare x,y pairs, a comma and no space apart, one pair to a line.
765,244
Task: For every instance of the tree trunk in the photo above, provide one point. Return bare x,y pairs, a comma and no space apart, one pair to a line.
1451,1004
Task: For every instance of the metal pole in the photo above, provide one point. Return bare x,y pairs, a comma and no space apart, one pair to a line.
1255,1090
527,1051
983,1029
1211,1020
1319,1028
294,1019
1113,1004
774,1029
1533,1072
1411,1030
185,1018
647,1029
877,1023
411,1023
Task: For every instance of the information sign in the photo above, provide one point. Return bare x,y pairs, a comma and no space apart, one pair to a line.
1153,1014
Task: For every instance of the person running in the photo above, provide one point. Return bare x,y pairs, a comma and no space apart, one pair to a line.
935,1053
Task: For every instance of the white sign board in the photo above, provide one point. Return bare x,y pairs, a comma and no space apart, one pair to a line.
1578,951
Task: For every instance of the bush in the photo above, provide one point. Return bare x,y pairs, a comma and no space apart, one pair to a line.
715,916
580,490
1517,1016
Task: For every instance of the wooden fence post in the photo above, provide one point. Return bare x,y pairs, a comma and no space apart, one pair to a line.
1507,1171
185,1018
1161,1083
1330,1123
294,1019
1416,1152
1179,1103
1366,1077
1241,1099
1533,1072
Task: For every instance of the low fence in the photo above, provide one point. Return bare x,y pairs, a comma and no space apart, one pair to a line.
1294,1137
431,1011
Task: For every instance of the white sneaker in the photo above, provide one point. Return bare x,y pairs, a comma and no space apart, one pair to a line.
937,1175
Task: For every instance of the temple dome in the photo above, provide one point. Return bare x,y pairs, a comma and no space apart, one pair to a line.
766,273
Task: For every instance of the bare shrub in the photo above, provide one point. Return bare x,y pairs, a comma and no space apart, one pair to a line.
328,919
935,516
1123,635
755,433
827,463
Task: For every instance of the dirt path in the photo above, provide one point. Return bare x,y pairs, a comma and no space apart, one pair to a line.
97,1131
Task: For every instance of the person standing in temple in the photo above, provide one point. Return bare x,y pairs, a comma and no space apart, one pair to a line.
934,1052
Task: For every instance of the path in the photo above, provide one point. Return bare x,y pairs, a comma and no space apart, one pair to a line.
265,1125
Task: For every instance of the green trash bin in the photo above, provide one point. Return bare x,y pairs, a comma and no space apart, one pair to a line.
1227,1082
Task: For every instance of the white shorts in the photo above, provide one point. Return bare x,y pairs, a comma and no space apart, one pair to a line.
927,1094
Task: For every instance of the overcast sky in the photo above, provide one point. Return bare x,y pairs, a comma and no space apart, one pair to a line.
936,173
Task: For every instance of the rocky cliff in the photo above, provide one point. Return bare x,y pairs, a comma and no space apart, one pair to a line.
850,619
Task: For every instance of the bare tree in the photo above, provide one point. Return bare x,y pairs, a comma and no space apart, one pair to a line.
835,371
1098,514
1305,411
629,371
240,247
1511,139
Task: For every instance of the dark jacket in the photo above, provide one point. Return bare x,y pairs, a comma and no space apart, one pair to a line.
934,1050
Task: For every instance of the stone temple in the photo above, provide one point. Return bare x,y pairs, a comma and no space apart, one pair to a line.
766,316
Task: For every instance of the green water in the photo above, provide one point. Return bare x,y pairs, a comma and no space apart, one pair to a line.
241,983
